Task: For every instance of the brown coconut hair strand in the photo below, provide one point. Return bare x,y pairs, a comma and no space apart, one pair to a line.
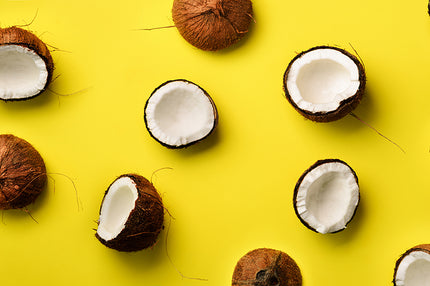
379,133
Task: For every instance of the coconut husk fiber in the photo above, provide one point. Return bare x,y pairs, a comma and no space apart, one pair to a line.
22,172
266,267
212,25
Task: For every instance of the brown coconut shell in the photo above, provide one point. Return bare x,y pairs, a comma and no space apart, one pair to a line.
17,36
22,173
346,106
215,111
421,247
266,267
299,182
144,222
212,25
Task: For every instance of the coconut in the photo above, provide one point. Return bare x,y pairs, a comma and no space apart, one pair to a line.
212,24
131,214
266,267
326,196
26,65
413,267
324,83
22,172
179,113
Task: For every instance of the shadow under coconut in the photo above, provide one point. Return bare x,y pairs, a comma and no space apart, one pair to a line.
29,212
42,99
365,110
202,146
146,258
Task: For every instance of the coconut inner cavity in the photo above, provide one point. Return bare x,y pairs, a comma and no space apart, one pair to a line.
321,79
179,112
327,197
414,270
117,205
23,73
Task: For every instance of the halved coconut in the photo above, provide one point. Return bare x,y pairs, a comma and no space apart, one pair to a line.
26,65
131,214
324,83
326,196
266,267
180,113
413,267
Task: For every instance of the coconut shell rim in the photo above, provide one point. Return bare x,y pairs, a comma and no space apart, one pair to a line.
346,106
46,57
300,180
214,108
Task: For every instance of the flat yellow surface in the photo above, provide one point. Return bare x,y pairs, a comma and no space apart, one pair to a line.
232,192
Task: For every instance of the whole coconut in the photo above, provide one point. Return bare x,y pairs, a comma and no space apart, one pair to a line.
266,267
212,25
22,172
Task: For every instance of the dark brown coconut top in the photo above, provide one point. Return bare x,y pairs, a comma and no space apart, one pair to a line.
266,267
307,109
22,172
212,24
15,36
144,221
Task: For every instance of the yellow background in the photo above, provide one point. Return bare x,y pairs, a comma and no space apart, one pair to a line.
232,192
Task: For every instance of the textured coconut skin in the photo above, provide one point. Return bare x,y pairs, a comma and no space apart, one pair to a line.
299,182
346,106
215,112
17,36
212,25
22,173
421,247
144,222
266,267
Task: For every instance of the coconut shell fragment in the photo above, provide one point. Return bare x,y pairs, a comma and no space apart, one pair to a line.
324,83
212,25
131,214
22,172
266,267
26,65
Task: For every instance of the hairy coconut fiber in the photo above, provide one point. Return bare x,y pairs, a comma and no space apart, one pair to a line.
22,172
144,222
212,24
17,36
266,267
346,106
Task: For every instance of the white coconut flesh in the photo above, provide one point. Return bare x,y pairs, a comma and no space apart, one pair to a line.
414,270
321,79
119,201
179,113
23,72
327,197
